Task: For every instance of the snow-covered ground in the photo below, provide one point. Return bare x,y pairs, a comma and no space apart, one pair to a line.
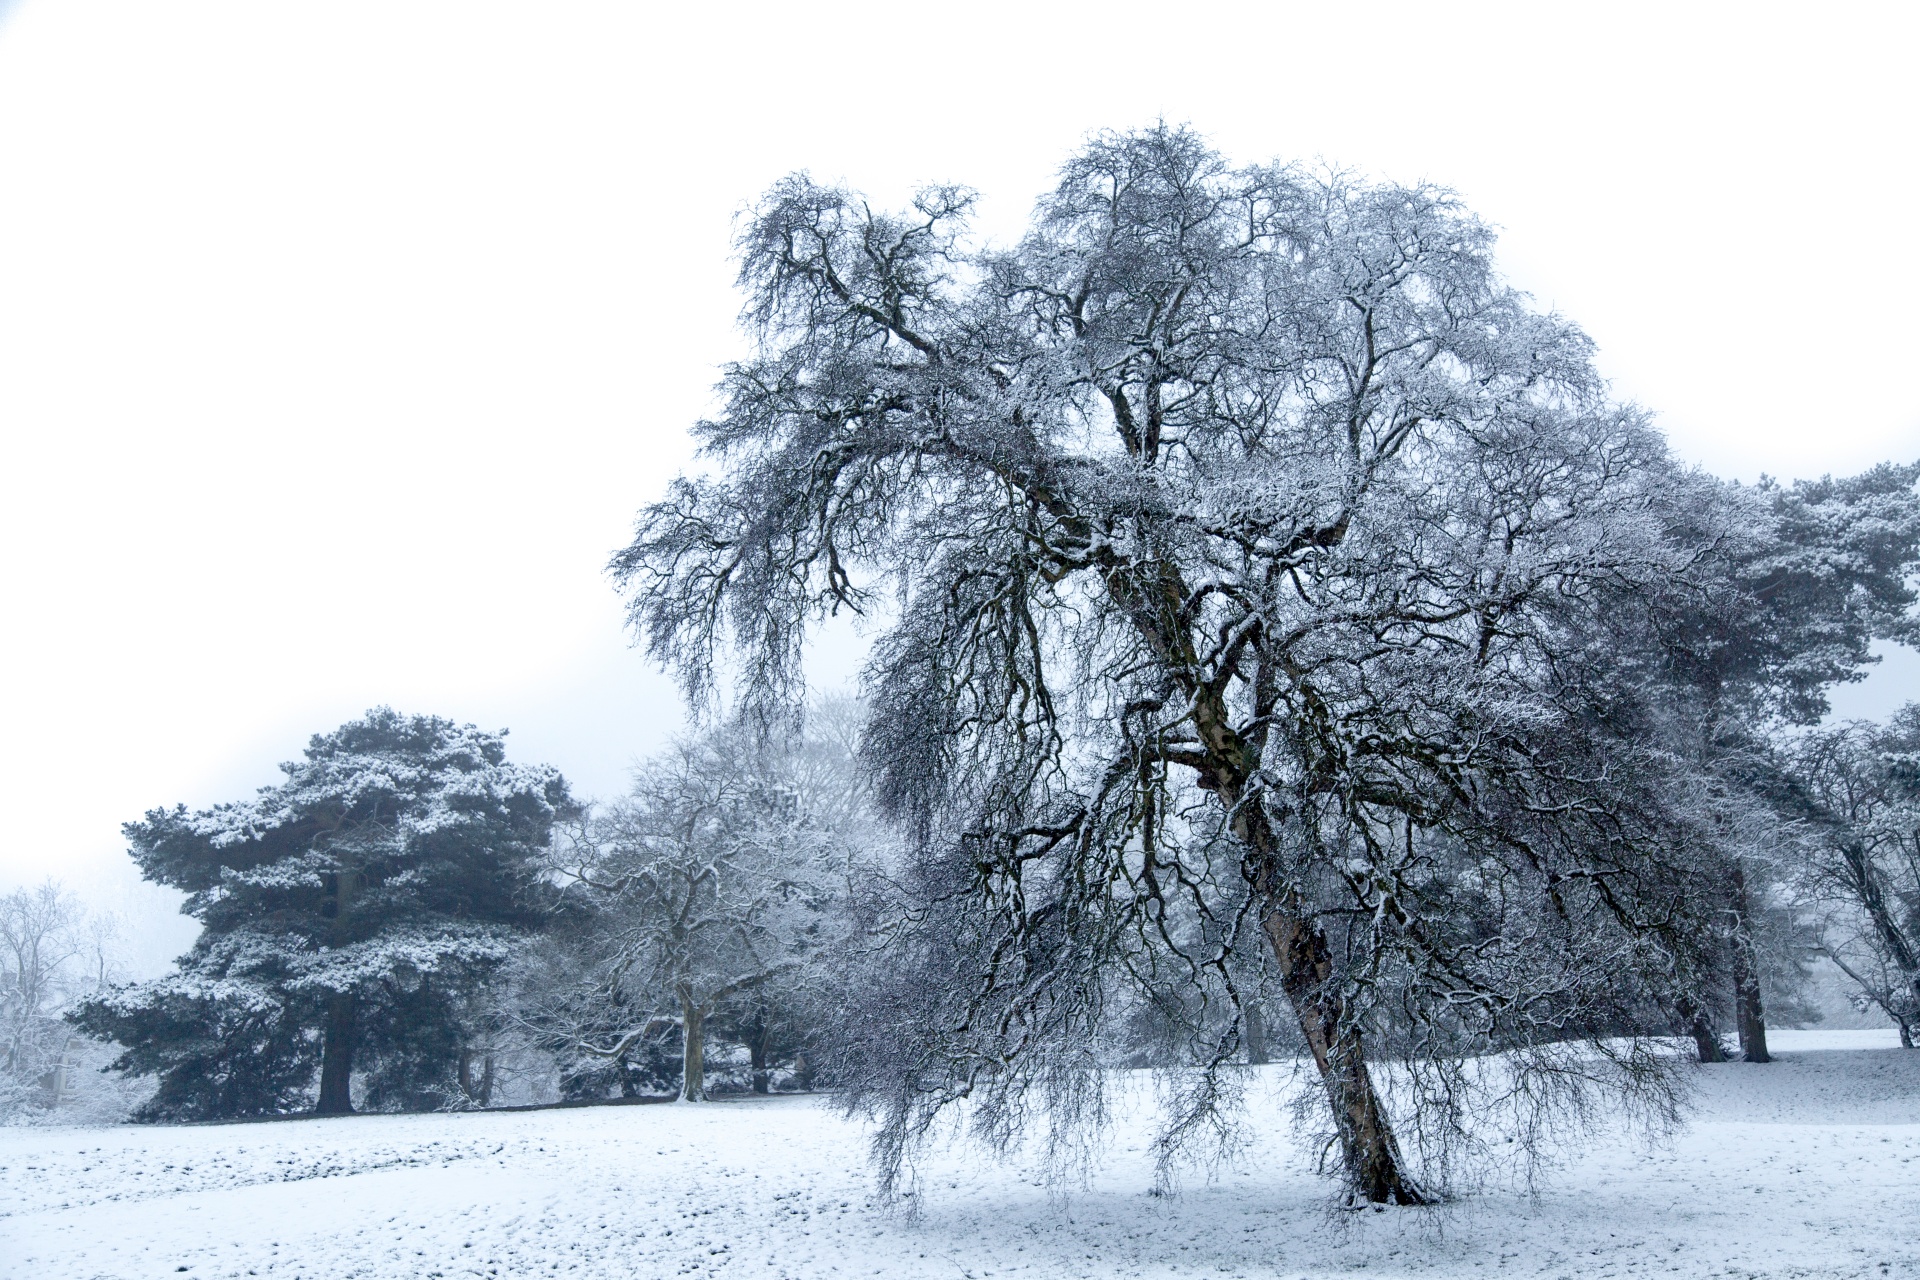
1809,1167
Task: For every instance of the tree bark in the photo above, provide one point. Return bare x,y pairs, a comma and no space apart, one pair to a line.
1699,1023
1256,1033
1368,1150
336,1053
1706,1041
336,1059
478,1092
693,1051
1227,763
1749,1012
1866,888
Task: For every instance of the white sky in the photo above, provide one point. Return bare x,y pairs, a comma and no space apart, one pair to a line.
340,341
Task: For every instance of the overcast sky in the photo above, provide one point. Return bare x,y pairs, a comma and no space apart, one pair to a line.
340,341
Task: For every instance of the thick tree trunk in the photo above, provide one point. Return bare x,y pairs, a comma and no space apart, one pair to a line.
1706,1041
1749,1013
624,1070
1699,1023
1226,763
341,1033
1255,1024
693,1052
1370,1155
336,1059
1368,1150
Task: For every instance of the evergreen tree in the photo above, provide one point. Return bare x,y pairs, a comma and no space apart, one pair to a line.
1805,578
351,914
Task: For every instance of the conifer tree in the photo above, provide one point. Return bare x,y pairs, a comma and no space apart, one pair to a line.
350,915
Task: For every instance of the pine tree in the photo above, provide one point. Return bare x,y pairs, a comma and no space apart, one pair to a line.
350,913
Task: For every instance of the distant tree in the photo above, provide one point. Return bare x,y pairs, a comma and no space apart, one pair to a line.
53,953
711,886
1861,786
1242,546
1806,577
350,914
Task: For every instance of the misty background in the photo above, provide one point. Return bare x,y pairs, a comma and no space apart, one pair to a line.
339,344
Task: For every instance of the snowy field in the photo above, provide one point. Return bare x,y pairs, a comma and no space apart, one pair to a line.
1808,1168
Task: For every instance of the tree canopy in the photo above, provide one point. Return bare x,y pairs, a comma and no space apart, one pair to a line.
1247,556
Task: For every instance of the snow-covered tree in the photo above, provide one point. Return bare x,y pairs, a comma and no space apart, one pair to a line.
1805,577
710,887
54,952
1243,548
350,915
1861,787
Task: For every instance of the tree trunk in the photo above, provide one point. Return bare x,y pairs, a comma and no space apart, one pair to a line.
757,1046
336,1059
1370,1156
1706,1041
1894,942
480,1091
1255,1025
336,1053
693,1052
1369,1153
1699,1024
1368,1150
1749,1013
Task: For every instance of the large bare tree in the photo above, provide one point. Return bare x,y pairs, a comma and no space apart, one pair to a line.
1237,540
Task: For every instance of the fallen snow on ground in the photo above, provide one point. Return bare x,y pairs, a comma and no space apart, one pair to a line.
1807,1168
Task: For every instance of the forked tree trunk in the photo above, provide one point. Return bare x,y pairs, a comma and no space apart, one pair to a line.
479,1092
336,1059
1369,1154
1749,1013
693,1052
